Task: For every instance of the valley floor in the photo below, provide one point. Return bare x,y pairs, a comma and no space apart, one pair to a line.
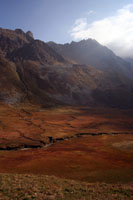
81,144
32,126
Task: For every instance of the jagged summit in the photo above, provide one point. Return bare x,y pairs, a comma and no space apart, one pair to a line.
11,40
19,31
86,52
93,53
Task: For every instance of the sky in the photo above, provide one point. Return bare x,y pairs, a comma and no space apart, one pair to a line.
62,21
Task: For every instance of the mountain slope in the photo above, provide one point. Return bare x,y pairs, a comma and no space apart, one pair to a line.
41,75
11,40
19,49
92,53
11,87
36,51
77,84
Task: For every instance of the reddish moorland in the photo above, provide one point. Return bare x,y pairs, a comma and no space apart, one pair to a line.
106,158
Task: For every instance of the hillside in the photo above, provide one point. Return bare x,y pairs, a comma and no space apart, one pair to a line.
11,88
44,75
52,188
13,39
93,53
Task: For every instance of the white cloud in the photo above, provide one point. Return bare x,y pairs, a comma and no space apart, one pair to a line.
116,31
80,24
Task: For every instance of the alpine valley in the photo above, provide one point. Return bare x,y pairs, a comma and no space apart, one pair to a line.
66,110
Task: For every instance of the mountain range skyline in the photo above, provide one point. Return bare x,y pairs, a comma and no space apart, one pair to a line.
128,58
108,23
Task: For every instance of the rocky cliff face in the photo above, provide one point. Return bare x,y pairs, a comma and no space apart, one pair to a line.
32,71
11,40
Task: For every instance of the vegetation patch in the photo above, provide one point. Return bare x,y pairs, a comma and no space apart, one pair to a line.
29,187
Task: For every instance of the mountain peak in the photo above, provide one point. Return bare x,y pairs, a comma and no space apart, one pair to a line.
87,52
19,31
30,34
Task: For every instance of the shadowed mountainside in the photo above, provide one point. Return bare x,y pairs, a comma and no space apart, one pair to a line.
39,73
11,88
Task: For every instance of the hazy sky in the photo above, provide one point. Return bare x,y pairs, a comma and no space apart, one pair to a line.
108,21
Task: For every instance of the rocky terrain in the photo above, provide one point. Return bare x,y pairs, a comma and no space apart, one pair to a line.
45,74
